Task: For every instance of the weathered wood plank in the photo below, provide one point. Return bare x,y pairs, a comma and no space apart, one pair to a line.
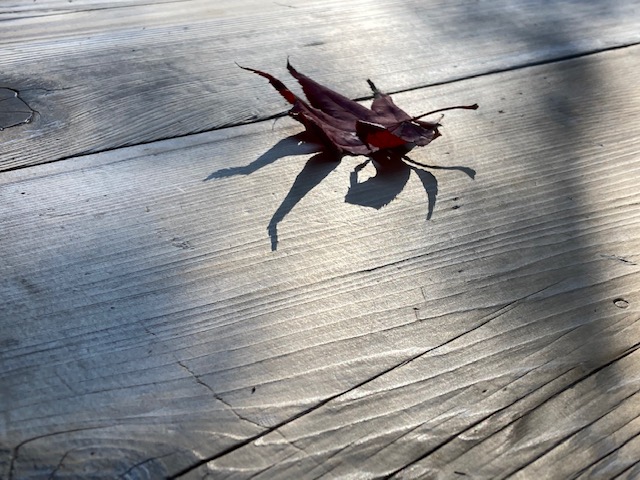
121,73
148,327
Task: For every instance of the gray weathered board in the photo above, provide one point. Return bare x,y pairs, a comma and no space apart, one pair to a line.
148,330
106,74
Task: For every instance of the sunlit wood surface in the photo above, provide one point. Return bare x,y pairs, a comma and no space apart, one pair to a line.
187,291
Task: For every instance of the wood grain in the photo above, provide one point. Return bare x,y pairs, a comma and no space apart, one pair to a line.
102,75
149,331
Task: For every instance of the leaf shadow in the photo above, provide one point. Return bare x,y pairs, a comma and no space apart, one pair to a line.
392,174
315,170
299,144
393,169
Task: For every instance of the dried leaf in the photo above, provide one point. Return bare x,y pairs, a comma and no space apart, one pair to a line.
351,128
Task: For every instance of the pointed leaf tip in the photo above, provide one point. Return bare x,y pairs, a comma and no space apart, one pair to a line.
277,84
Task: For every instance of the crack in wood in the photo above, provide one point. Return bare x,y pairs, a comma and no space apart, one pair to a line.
327,459
471,427
629,468
16,450
139,464
197,378
613,451
216,396
618,258
273,465
299,448
369,97
515,419
401,435
15,110
569,434
486,319
59,465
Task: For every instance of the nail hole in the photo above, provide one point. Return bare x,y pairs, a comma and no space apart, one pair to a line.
621,303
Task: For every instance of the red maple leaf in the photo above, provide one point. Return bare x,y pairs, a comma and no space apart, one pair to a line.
351,128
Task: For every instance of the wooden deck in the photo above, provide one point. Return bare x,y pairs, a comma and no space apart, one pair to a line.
148,330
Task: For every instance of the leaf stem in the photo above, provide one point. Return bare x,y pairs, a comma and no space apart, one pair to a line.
466,107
